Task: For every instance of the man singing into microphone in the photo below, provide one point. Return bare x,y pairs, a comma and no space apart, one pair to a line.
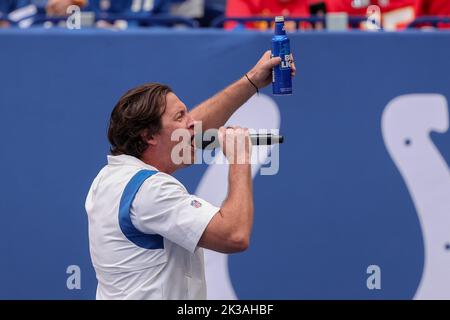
146,232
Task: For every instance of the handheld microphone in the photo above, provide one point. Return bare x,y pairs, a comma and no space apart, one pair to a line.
211,141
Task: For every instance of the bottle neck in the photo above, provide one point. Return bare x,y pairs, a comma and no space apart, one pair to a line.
279,29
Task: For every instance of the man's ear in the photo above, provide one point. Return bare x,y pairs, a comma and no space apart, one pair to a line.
150,139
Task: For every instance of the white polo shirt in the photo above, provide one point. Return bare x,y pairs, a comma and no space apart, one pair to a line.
151,251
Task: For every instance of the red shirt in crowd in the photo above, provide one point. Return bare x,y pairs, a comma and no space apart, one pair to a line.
435,8
395,14
264,8
352,7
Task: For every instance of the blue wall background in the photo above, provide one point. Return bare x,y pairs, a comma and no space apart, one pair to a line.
337,205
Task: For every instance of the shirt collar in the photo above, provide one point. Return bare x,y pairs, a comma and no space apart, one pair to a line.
127,160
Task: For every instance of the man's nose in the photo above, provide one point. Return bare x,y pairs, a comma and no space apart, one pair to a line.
191,122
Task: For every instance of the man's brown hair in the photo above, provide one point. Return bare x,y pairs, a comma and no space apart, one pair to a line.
138,112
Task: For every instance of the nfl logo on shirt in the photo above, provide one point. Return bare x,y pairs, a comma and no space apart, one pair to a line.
196,204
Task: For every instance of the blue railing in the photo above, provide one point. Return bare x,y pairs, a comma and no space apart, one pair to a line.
148,20
434,21
353,21
169,21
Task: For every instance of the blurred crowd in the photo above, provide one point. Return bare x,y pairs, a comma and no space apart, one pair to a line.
394,14
19,10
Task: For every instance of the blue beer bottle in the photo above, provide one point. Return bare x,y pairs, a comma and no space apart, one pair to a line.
281,74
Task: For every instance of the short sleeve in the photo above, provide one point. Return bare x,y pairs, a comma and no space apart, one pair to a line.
163,206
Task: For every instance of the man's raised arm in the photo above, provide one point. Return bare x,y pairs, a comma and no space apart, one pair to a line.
214,112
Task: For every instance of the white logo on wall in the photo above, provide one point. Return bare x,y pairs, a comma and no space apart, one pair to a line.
74,19
407,122
406,125
374,280
373,22
74,280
